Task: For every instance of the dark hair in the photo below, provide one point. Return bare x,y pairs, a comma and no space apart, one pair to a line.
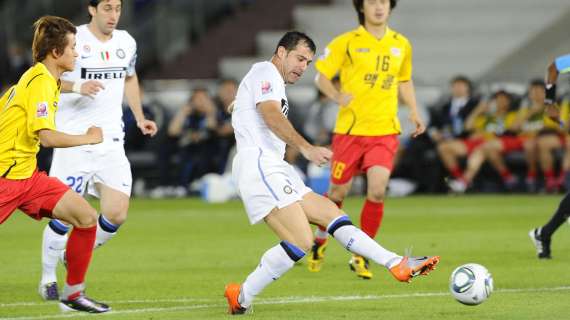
292,38
94,4
536,83
50,33
359,7
463,79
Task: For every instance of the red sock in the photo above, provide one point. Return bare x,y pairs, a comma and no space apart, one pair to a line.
371,217
78,253
531,174
456,172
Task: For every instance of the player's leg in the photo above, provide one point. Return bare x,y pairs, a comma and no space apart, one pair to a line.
475,161
347,152
541,237
495,151
531,156
322,211
292,227
112,185
70,166
75,210
449,152
114,208
546,144
565,175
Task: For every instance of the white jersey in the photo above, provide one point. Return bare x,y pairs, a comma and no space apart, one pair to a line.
262,83
110,63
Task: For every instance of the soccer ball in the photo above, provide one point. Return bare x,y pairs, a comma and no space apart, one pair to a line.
471,284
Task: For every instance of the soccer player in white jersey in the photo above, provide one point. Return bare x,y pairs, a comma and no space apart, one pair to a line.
273,192
104,72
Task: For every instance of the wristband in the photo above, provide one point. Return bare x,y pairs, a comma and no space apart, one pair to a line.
550,93
77,86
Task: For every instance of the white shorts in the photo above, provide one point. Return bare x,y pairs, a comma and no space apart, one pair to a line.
83,167
265,182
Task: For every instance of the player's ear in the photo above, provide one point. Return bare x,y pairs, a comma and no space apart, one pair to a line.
55,54
281,52
92,11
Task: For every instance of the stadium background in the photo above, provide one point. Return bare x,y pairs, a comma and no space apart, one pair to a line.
187,44
174,256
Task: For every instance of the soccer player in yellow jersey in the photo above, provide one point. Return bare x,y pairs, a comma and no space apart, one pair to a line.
27,119
375,65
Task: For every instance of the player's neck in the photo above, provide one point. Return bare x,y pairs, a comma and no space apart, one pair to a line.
279,65
53,68
97,33
377,30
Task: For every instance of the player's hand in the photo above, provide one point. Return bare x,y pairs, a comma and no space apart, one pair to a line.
91,88
94,135
553,112
419,123
343,99
148,127
318,155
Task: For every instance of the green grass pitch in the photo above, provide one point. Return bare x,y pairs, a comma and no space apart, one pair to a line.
172,259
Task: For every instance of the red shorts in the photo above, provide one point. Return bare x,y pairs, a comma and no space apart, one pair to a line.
354,154
35,196
473,143
512,143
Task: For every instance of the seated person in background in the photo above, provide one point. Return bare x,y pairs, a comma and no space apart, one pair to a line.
195,126
448,122
490,124
227,90
535,125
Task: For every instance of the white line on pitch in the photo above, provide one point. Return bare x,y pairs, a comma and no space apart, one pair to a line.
268,301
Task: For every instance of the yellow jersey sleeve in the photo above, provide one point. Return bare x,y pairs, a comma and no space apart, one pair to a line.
406,68
41,105
333,58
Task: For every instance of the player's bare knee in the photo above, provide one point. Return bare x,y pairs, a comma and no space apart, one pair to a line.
85,218
337,194
116,217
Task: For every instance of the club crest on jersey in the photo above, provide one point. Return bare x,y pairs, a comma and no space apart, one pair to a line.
42,110
266,87
363,50
396,51
120,53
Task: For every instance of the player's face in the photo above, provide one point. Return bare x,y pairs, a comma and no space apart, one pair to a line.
106,15
459,89
66,60
537,94
296,62
503,103
376,12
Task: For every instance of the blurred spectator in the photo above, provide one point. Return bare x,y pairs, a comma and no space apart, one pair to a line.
227,90
489,126
18,62
321,118
193,129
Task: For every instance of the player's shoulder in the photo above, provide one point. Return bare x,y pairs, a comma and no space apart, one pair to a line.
397,37
35,75
124,36
345,37
264,69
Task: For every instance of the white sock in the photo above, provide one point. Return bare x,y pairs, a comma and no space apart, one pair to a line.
274,263
105,231
356,241
53,246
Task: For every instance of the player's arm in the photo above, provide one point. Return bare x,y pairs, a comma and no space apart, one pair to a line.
132,93
327,87
86,88
56,139
481,108
559,65
408,96
271,112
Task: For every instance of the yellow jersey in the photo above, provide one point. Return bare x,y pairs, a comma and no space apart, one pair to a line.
370,70
26,108
542,122
490,125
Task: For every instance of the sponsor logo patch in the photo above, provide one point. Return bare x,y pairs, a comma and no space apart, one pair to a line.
266,87
363,50
121,53
42,110
287,189
396,51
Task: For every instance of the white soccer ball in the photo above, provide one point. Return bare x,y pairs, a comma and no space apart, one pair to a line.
471,284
